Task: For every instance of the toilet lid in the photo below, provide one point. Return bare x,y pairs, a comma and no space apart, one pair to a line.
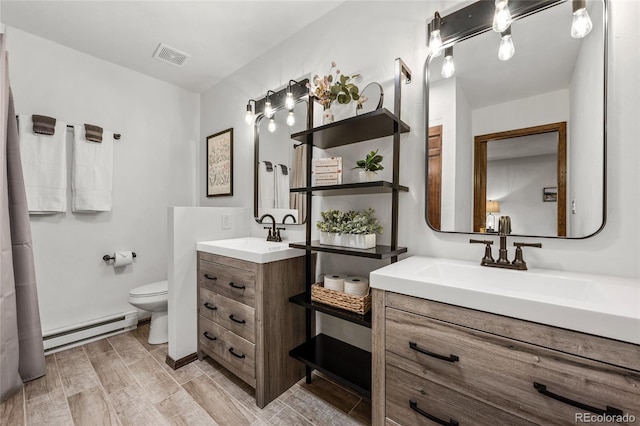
152,289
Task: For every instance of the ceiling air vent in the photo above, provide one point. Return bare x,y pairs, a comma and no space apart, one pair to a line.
169,54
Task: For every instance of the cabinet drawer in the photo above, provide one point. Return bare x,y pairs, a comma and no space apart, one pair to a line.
234,352
236,284
412,399
502,371
234,316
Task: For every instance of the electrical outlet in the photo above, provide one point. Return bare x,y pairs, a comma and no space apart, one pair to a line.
226,220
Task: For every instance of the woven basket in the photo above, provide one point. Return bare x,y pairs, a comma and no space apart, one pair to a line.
358,304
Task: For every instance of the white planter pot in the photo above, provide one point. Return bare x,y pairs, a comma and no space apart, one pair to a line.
348,240
367,176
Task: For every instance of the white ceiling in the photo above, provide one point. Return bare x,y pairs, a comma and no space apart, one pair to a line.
523,146
220,36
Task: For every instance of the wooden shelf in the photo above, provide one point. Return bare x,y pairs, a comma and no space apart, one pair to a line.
363,320
346,364
378,252
372,125
359,188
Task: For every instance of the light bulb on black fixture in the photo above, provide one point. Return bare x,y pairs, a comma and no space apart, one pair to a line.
249,116
272,125
502,16
268,109
435,41
506,49
448,67
291,119
581,25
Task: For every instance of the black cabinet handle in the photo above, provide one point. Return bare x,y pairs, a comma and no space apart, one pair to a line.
210,306
239,287
414,407
236,320
206,334
209,277
235,354
611,411
450,358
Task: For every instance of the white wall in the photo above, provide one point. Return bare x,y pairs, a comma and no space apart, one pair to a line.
370,51
517,183
153,165
464,163
187,226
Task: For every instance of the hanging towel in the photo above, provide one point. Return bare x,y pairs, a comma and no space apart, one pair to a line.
44,164
266,180
93,133
282,187
92,174
43,125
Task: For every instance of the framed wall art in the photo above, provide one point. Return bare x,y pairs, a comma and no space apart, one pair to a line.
220,164
550,194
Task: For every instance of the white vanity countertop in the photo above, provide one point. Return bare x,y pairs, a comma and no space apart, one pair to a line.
251,249
596,304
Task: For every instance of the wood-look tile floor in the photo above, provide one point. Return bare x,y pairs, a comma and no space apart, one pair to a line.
122,380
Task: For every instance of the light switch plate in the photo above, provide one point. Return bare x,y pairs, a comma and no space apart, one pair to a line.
226,220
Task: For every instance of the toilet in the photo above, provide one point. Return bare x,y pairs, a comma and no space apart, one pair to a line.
153,298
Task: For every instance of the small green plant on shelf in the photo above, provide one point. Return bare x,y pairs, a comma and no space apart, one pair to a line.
371,162
351,222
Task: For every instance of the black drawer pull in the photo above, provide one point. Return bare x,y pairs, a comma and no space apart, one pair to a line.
236,320
414,407
235,354
206,334
210,306
209,277
610,411
450,358
239,287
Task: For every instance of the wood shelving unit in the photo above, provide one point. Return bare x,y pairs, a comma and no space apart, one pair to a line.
345,363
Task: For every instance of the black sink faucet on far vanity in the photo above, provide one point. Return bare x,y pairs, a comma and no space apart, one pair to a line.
274,233
518,263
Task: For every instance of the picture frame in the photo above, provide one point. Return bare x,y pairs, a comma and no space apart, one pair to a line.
550,194
219,178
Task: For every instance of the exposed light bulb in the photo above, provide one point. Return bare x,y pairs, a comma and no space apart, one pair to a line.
272,125
249,117
291,119
289,102
435,43
581,25
502,16
506,49
268,110
448,67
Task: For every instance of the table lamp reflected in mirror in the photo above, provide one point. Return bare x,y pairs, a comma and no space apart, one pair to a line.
492,207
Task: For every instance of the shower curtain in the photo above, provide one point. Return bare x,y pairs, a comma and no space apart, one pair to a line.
21,348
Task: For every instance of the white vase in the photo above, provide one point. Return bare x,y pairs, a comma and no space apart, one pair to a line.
361,241
327,116
367,176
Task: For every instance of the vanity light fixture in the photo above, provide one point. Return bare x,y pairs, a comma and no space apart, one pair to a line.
272,125
289,102
581,25
268,110
506,49
249,116
502,16
448,67
435,41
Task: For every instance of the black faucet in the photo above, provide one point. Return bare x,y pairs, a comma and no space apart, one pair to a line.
284,219
274,233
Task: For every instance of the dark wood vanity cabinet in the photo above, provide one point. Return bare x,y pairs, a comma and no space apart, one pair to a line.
437,361
246,323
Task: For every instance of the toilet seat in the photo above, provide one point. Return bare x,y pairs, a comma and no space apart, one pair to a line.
148,290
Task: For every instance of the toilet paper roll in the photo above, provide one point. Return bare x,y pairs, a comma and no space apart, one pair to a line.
358,286
123,258
334,282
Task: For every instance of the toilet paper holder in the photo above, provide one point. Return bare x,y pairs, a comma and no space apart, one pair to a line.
107,258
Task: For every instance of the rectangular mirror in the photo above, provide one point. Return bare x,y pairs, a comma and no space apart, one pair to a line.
523,137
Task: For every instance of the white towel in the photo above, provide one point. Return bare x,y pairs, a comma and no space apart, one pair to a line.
282,188
266,180
44,164
92,175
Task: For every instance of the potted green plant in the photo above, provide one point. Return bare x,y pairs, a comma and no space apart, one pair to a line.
370,166
349,229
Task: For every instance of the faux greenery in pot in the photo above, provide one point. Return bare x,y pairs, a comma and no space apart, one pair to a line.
369,166
351,222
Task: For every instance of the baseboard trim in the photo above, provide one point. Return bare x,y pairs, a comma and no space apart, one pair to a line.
175,364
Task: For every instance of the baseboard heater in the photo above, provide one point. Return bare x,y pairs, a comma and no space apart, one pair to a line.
78,334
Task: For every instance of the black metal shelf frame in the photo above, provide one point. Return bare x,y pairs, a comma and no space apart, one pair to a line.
345,363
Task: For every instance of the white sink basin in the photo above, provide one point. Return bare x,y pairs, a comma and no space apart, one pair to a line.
251,249
601,305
